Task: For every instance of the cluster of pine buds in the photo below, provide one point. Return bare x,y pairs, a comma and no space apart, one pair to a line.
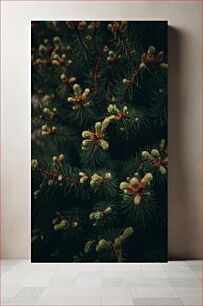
96,137
95,179
58,53
51,113
117,244
135,187
150,57
99,216
79,98
117,27
45,130
116,112
67,80
62,223
157,158
57,159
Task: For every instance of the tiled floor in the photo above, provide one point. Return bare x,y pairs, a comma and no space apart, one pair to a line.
173,283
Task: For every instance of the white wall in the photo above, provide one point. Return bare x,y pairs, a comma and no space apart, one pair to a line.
184,112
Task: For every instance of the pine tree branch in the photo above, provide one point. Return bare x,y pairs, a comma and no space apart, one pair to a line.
56,174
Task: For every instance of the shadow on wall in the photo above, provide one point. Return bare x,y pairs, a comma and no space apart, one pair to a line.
184,230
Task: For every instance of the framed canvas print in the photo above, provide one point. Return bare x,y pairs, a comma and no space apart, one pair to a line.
99,141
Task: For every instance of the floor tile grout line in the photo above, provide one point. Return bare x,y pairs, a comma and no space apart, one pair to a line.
46,286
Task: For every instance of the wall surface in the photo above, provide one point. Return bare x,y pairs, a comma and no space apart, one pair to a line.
185,62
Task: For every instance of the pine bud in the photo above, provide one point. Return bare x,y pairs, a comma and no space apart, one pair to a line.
162,143
151,50
118,242
50,182
137,199
46,110
74,224
44,133
56,63
104,144
107,210
105,123
86,142
54,158
111,118
55,220
98,126
57,40
60,177
46,41
71,80
77,89
112,109
106,49
86,92
92,216
57,227
146,154
62,76
109,59
44,127
34,163
125,109
88,246
82,180
42,49
111,53
109,26
86,104
86,134
160,57
127,232
162,170
155,153
134,181
64,223
147,178
61,157
36,193
76,107
98,215
163,66
125,81
82,24
124,185
108,175
95,178
143,66
102,245
70,99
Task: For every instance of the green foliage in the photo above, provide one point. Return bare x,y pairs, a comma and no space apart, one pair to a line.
99,141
